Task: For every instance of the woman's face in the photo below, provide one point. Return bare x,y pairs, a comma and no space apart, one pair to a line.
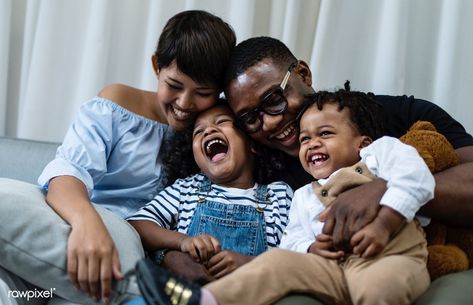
180,98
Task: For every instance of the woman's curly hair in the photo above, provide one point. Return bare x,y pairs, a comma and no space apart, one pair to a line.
178,158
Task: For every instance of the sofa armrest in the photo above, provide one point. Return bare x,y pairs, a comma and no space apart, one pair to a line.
24,159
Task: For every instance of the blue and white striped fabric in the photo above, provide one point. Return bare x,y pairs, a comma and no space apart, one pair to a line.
174,206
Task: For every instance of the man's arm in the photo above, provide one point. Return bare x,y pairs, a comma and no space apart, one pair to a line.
453,201
452,204
373,238
410,186
351,211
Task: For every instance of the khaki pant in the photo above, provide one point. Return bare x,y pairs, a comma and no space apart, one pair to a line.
396,276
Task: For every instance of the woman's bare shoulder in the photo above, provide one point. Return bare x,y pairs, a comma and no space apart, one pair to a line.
130,98
133,99
123,95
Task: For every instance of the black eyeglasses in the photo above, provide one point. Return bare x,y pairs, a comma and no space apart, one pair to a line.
273,103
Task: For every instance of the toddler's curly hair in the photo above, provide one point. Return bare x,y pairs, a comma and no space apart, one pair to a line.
365,112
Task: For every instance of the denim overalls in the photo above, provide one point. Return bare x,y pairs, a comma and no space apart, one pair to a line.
238,228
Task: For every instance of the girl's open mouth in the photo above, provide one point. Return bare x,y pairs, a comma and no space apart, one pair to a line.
216,149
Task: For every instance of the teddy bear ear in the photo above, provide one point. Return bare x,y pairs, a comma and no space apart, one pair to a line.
423,125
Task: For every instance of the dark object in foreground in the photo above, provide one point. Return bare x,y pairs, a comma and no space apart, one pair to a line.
161,287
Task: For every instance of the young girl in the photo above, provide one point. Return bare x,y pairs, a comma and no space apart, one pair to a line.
111,157
388,262
220,216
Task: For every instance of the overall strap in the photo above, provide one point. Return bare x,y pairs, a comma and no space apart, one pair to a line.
203,189
261,193
261,197
205,185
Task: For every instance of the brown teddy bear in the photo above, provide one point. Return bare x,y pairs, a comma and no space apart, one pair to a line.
450,249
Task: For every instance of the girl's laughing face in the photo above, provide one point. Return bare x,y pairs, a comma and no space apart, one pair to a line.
221,150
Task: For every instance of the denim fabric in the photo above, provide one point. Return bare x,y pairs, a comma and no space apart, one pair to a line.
238,228
137,301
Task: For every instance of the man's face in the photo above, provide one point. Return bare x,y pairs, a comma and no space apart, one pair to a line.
246,92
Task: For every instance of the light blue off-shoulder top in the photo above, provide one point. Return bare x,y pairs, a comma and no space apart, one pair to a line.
115,153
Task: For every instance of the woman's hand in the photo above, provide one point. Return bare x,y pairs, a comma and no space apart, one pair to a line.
323,246
201,247
92,259
225,262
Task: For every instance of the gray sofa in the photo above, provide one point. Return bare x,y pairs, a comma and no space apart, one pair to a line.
24,159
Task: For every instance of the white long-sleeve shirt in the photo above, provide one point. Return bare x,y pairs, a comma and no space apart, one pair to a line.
409,186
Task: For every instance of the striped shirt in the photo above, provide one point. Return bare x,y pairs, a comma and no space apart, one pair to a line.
174,206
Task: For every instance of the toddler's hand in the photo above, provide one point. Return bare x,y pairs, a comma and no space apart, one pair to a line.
323,246
370,240
201,247
225,262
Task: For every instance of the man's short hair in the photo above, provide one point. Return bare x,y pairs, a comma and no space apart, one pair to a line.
251,51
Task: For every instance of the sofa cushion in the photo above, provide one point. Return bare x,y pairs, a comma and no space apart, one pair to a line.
34,245
24,159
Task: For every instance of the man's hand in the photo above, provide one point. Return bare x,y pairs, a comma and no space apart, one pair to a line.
92,260
351,211
201,247
323,246
184,265
225,262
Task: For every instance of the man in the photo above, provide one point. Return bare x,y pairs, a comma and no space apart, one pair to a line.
265,85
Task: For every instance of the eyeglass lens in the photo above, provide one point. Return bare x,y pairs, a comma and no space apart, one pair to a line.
273,103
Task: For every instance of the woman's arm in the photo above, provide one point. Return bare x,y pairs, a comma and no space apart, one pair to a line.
92,259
